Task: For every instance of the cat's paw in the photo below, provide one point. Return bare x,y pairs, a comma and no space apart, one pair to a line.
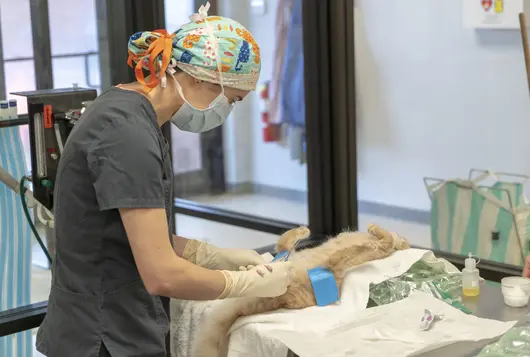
289,239
302,232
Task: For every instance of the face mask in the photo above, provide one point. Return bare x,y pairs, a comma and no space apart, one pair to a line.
188,118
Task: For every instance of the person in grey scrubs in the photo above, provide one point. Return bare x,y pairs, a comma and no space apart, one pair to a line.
116,254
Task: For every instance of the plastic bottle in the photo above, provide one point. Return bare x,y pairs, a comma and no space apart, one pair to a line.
470,277
4,110
13,112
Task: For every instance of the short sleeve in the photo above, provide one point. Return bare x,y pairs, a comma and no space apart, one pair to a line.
127,167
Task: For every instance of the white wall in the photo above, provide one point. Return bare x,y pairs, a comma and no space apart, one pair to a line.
248,158
435,99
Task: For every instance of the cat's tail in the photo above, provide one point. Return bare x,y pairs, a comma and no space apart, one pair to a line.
215,327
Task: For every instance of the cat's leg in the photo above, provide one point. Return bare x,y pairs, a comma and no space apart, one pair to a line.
289,238
286,241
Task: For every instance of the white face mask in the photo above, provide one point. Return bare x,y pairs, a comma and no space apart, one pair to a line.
189,118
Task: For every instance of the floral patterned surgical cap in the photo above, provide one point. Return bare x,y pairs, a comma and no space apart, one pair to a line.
193,48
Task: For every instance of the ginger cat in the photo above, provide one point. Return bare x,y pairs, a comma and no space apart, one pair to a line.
338,254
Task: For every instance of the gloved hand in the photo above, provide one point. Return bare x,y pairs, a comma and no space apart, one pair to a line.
526,270
269,280
212,257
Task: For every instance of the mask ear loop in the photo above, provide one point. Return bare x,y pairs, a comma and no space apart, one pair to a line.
170,70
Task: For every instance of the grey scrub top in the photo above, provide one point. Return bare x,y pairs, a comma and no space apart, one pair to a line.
116,157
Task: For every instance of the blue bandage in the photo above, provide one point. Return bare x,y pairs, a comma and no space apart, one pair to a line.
324,286
280,255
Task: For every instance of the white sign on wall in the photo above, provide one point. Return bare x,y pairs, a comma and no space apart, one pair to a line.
492,14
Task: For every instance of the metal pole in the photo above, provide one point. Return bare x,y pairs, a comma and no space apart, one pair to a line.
42,53
526,49
2,66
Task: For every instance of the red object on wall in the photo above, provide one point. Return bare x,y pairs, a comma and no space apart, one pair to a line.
270,131
267,137
264,92
265,117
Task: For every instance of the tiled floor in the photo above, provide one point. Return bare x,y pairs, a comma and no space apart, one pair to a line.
230,236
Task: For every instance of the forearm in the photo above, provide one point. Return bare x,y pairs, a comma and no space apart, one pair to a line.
187,281
212,257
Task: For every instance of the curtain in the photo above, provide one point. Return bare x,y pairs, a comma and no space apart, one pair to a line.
283,18
15,244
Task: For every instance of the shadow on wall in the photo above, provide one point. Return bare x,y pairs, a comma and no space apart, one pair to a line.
370,95
498,39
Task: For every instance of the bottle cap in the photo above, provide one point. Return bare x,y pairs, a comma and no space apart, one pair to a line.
470,262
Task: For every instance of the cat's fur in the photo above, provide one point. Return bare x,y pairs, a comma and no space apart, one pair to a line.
338,254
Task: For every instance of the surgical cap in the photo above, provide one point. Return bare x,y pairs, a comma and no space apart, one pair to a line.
192,49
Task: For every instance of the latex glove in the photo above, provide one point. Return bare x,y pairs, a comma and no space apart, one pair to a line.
526,270
269,280
212,257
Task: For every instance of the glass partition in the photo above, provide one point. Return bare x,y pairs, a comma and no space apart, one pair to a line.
442,118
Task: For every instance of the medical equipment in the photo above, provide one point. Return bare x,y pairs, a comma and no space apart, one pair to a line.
516,291
52,115
286,254
470,277
428,319
430,279
324,286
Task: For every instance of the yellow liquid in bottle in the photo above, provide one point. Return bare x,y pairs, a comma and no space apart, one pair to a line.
473,291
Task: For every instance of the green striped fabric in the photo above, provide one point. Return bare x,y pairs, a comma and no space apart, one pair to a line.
509,192
466,218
